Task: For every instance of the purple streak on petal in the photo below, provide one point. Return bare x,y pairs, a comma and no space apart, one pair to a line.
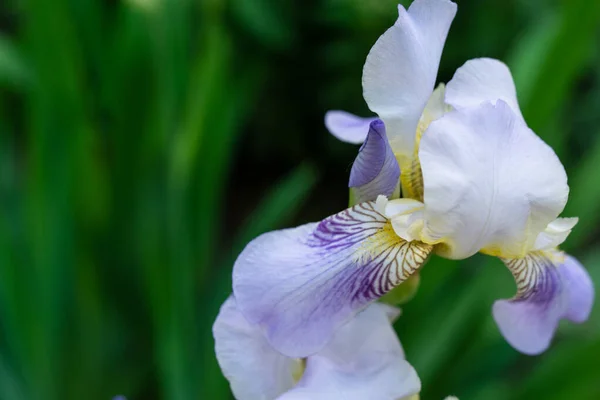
375,170
371,156
547,293
347,127
302,284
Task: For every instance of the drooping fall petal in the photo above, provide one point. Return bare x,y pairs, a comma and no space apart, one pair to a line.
550,286
302,284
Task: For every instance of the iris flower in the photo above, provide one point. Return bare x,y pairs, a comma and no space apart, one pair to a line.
473,178
363,360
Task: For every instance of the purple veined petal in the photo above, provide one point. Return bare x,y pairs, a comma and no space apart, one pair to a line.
347,127
253,368
302,284
529,320
364,360
550,287
375,171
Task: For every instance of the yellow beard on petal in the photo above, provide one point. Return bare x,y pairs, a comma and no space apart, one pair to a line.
298,369
411,174
495,251
411,177
378,242
412,397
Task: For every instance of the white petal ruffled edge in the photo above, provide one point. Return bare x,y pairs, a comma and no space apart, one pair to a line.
555,234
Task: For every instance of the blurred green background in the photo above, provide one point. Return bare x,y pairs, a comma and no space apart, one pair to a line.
144,142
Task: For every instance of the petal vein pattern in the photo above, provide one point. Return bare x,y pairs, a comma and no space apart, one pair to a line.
550,286
300,285
534,276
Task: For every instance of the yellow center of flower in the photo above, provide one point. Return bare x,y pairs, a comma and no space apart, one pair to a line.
374,245
298,369
411,176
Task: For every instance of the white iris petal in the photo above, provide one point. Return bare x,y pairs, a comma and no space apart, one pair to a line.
254,369
401,68
489,183
363,360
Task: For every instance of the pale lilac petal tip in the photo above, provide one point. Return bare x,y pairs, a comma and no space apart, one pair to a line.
347,127
375,171
526,325
580,290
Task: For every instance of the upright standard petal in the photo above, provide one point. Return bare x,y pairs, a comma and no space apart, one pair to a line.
400,71
364,360
550,286
302,284
375,171
480,80
347,127
253,368
490,183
